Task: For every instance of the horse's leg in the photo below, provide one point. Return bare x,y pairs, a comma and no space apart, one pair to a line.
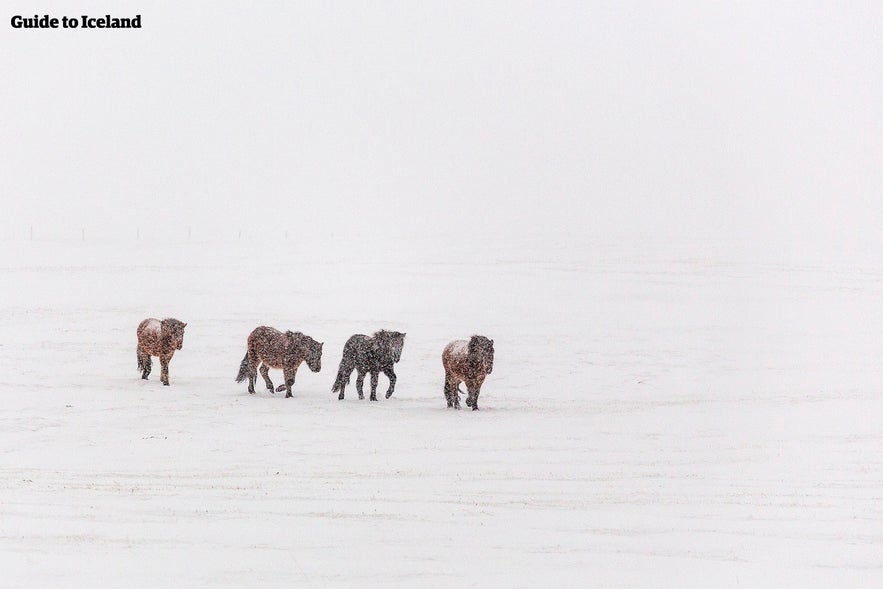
146,363
164,369
252,370
265,372
360,381
374,376
451,394
342,389
289,373
391,375
474,388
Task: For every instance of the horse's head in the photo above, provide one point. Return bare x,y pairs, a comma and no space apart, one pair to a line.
389,344
482,350
397,342
314,355
175,331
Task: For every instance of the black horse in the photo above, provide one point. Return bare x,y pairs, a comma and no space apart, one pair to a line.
370,354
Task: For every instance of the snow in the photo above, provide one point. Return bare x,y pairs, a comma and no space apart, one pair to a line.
154,326
677,417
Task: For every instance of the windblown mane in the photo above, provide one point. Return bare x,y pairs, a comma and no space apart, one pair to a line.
388,344
171,324
387,336
311,348
306,340
479,343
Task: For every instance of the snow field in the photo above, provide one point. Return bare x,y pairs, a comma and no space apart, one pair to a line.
659,419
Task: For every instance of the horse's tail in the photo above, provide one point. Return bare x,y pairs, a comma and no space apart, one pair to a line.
347,365
243,369
140,361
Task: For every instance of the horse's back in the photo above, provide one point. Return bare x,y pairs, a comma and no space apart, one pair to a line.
356,341
149,333
269,345
262,334
454,353
149,327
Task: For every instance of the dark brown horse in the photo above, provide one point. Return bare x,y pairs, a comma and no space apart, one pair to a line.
273,349
161,339
468,362
373,355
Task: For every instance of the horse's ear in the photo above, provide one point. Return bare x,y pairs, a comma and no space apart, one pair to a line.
185,325
321,344
492,342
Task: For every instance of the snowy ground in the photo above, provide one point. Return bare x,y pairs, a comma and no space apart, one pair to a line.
654,418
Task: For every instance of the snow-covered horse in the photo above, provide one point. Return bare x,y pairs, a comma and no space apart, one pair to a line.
161,339
370,354
468,362
273,349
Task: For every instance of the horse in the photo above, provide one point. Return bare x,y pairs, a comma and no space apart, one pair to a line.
370,354
468,362
273,349
158,338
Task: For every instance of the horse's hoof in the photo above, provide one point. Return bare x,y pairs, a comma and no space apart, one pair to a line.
340,397
468,402
362,397
389,394
165,384
288,395
475,407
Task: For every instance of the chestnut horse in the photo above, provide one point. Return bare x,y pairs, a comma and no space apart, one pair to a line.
159,338
468,362
273,349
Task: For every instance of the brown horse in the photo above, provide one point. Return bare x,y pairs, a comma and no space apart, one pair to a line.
161,339
468,362
273,349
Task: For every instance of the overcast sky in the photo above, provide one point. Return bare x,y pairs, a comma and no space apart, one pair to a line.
739,120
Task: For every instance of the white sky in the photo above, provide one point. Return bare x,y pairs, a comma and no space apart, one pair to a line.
738,120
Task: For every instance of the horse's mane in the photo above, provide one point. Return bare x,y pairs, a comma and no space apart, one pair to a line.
387,335
172,323
479,342
303,339
300,339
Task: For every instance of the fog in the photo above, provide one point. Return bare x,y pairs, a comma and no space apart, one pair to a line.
748,124
667,217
